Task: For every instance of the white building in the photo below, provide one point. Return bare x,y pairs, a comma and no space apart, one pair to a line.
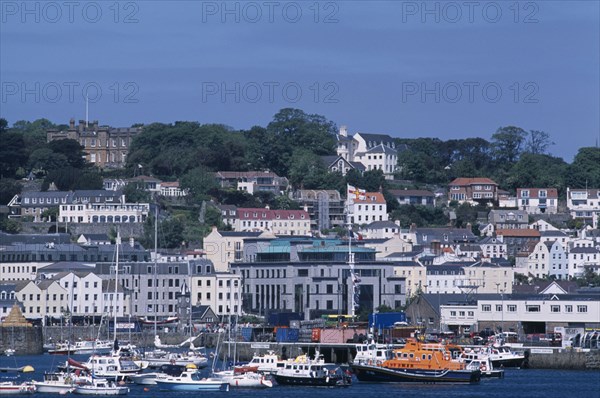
367,208
374,151
104,213
279,222
493,247
538,200
584,204
222,291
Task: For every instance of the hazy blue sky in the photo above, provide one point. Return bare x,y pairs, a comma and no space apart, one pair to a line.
408,69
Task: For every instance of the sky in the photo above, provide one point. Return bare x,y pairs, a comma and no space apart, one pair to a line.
445,69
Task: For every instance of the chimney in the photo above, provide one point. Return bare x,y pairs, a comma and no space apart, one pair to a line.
132,242
343,131
469,226
413,227
397,222
72,124
95,125
436,247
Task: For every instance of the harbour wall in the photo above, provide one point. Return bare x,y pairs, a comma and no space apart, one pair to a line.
23,339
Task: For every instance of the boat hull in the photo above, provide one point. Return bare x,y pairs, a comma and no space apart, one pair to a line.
515,362
53,388
310,381
91,390
192,386
379,374
8,388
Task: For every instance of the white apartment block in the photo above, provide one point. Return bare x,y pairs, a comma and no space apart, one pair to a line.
104,213
278,222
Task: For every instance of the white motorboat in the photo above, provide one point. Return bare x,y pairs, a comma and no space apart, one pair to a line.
88,347
10,388
244,379
9,352
191,380
503,357
372,353
174,358
480,360
59,382
113,367
101,387
149,379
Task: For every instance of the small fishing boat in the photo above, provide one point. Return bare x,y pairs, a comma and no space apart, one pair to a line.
101,387
476,359
10,388
9,352
191,380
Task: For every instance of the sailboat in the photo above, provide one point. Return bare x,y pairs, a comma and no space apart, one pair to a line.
113,366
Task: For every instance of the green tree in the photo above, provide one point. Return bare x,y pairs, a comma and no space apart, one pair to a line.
12,153
585,169
507,144
537,170
71,150
135,193
199,181
8,189
538,142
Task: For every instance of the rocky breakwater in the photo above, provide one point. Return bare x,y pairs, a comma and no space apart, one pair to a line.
18,334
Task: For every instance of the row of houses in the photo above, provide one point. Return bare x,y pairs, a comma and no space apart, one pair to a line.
82,206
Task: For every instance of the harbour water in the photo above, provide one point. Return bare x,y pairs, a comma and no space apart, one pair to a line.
517,383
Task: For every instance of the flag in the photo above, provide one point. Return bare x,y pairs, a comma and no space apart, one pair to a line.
356,193
354,235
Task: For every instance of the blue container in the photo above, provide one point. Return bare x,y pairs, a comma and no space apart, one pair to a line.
386,320
287,335
246,334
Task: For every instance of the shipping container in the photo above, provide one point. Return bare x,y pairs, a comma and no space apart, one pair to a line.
287,335
386,320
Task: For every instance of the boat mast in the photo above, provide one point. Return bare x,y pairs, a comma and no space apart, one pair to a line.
116,285
155,306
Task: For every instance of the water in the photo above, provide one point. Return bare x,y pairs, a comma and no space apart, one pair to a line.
525,383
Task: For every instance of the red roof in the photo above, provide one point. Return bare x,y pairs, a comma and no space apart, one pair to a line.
371,197
525,233
535,192
472,181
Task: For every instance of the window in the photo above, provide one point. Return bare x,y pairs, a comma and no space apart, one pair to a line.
582,308
532,308
486,308
511,308
568,308
498,307
555,308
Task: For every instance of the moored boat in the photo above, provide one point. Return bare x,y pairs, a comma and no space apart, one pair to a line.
312,372
244,380
191,380
417,362
60,382
101,387
266,363
10,388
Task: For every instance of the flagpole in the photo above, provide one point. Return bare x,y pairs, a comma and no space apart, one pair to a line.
351,256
